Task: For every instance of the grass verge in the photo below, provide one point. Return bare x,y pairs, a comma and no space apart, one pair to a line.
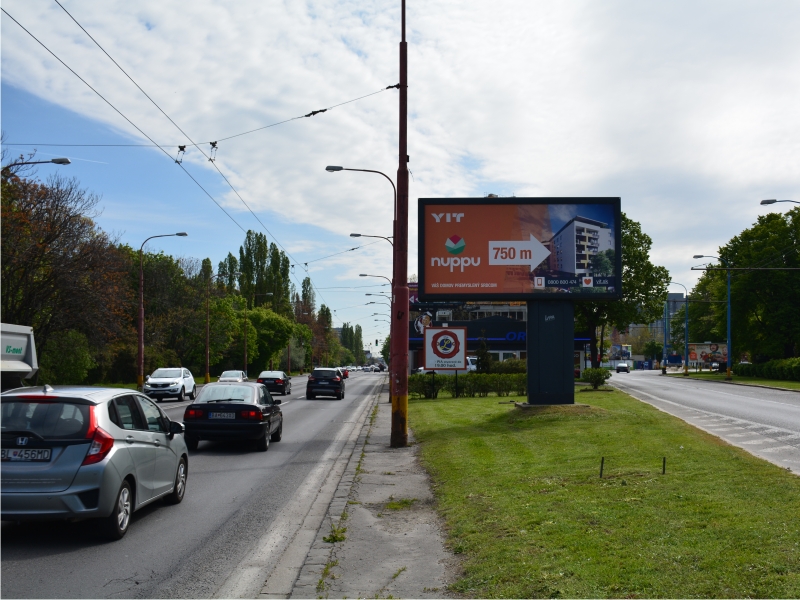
779,383
525,506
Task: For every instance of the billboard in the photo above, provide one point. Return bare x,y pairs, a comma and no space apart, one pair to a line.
445,348
708,353
519,248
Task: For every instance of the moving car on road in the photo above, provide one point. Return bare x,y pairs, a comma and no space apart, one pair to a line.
171,382
623,368
276,381
234,411
88,453
325,381
233,376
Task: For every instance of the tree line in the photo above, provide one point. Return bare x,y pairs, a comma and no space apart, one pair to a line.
78,288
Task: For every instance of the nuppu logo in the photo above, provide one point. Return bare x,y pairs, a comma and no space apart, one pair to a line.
455,245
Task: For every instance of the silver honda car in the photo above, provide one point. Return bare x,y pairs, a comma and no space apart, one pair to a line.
83,452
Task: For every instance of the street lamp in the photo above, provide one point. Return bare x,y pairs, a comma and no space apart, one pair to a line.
765,202
388,239
381,276
57,161
380,294
685,330
384,303
727,267
140,374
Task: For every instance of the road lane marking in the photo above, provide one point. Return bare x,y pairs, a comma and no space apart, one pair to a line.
294,528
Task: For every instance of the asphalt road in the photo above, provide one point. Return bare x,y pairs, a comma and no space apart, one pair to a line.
765,422
186,551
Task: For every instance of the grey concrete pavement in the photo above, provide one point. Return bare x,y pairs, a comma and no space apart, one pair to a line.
763,421
390,541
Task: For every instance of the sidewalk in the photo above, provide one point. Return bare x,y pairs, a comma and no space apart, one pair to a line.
384,537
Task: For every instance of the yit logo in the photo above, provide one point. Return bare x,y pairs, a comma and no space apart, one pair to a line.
448,217
455,244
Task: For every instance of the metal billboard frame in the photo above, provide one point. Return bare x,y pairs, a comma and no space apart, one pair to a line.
614,202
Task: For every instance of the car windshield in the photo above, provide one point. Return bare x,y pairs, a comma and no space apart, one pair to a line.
272,375
166,373
231,374
227,393
324,374
45,419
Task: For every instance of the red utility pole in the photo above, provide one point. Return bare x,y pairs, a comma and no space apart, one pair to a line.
399,349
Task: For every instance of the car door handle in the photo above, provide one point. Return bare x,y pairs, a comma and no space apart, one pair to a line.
157,443
129,439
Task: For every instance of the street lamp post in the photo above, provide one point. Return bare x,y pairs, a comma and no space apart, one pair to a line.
728,375
773,201
685,330
383,237
140,374
57,161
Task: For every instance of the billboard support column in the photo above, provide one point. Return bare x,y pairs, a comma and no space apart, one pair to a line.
550,345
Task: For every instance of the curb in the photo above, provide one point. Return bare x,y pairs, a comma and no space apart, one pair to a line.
306,585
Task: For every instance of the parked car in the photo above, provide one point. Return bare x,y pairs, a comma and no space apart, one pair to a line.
324,381
234,411
233,376
170,382
623,368
276,381
88,453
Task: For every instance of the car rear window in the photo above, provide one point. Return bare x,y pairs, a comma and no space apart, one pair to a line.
324,374
231,374
232,393
272,375
50,420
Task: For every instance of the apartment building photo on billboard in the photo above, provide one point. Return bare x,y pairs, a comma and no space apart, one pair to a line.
576,245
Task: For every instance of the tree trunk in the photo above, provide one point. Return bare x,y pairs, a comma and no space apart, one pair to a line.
600,354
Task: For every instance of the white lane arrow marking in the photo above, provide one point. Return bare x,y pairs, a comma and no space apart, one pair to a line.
530,253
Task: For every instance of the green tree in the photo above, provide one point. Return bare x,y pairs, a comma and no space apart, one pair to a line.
273,334
66,360
484,358
358,345
644,290
654,350
602,263
386,348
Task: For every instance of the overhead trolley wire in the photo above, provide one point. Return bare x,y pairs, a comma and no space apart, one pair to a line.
53,54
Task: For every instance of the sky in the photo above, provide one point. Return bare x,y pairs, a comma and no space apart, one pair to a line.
685,110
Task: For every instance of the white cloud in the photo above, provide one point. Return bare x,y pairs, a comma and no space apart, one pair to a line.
686,110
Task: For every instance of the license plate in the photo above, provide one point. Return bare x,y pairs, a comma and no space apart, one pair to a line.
27,455
228,415
322,382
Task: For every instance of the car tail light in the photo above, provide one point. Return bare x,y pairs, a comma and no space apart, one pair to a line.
192,413
102,442
310,378
252,414
337,378
259,380
279,381
92,424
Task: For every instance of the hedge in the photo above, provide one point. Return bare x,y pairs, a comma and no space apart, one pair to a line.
470,385
787,369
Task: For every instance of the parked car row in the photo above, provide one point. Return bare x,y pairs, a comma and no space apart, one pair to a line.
95,453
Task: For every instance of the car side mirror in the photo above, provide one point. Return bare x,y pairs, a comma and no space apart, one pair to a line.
277,400
175,427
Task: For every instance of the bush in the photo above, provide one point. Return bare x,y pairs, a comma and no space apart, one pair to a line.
596,377
66,360
786,369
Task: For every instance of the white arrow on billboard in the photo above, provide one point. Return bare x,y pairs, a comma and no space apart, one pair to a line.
530,253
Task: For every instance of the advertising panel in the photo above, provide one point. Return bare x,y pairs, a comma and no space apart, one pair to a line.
445,348
708,353
519,248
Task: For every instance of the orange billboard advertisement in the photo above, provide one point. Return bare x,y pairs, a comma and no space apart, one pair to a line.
519,248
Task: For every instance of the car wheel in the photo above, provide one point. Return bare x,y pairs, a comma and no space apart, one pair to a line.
182,395
193,395
276,437
262,443
339,395
191,443
115,525
180,483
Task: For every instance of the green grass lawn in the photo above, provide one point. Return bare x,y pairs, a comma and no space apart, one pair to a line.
781,383
524,504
